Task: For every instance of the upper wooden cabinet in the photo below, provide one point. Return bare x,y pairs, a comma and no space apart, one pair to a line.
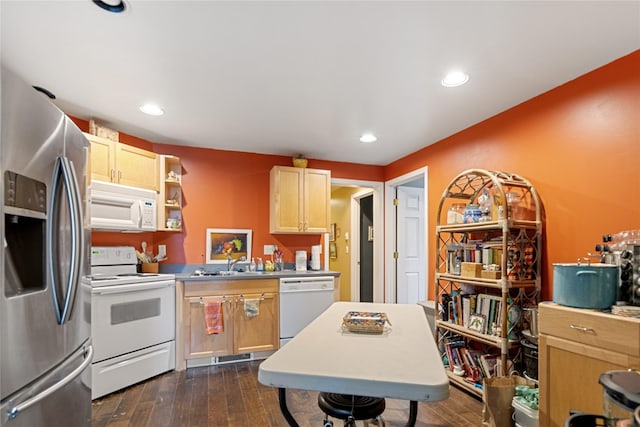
300,200
112,161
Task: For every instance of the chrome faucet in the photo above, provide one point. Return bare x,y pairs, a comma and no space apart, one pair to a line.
231,263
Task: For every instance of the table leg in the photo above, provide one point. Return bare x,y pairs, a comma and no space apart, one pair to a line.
282,398
413,413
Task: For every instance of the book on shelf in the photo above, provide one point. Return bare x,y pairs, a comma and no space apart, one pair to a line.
475,364
489,363
466,310
462,306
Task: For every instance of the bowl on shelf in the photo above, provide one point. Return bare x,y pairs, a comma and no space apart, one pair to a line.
300,162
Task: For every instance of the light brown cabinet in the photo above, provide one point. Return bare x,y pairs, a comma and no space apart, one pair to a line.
300,200
242,334
112,161
170,196
575,347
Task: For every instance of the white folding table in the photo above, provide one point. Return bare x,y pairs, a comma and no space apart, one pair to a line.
401,363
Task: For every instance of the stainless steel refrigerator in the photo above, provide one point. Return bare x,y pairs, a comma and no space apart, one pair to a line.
45,308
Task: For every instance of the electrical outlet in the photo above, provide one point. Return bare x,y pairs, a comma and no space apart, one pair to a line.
162,251
270,249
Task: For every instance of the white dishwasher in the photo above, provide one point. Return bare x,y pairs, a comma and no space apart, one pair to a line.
302,299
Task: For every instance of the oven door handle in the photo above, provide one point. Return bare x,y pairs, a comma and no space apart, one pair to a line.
132,287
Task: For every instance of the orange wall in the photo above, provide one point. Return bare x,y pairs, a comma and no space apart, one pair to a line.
578,144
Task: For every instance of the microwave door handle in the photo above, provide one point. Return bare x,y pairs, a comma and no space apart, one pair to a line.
77,236
139,213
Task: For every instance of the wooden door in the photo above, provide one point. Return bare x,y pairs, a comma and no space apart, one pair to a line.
317,200
137,167
199,343
286,209
261,331
102,158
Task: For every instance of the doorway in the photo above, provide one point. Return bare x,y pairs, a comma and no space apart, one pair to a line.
346,210
365,241
406,237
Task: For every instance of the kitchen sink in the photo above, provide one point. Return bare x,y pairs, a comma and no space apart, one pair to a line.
226,273
208,273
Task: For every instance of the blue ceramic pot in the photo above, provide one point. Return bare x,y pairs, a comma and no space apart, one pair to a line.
585,286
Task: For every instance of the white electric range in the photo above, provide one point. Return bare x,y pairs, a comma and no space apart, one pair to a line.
132,320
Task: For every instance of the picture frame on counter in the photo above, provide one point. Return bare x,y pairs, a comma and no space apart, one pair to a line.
224,242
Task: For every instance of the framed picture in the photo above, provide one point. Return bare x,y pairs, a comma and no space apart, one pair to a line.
332,232
222,243
333,251
477,323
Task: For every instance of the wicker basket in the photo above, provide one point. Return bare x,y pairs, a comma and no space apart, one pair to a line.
365,322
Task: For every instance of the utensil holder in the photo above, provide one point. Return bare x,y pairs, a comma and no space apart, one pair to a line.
149,267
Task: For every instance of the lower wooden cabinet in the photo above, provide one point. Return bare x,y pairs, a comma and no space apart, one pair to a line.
241,333
257,333
575,347
200,344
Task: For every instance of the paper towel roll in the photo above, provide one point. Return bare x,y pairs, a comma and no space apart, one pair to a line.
316,250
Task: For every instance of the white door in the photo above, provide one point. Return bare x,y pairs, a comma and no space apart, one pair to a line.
411,283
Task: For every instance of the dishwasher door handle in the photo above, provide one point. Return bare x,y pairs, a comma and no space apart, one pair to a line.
305,289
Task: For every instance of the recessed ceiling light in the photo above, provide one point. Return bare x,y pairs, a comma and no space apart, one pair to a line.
455,78
151,109
114,6
368,137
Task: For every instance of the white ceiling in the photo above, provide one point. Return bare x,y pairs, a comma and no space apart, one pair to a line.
303,76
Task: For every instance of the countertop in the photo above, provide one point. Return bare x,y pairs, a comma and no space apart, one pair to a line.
187,277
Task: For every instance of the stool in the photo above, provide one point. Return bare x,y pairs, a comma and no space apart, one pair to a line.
350,408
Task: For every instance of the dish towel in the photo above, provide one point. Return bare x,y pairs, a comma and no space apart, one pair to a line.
251,307
213,317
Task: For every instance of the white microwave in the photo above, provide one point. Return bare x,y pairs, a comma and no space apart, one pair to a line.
116,207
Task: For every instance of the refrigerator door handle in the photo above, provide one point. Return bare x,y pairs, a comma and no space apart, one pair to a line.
15,411
73,191
65,175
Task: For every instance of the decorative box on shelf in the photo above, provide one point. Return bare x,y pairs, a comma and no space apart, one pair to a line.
471,269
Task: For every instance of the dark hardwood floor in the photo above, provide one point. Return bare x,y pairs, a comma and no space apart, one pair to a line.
231,396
